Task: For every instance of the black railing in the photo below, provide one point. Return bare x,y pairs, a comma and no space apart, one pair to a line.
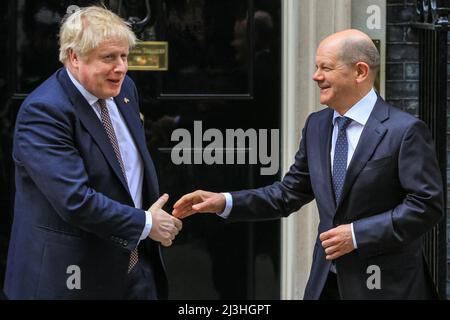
432,29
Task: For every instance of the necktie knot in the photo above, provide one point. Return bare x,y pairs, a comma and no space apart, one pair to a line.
343,122
101,103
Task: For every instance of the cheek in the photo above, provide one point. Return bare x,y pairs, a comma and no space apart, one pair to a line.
86,75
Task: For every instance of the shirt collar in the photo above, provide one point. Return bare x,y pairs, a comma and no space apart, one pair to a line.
361,111
90,98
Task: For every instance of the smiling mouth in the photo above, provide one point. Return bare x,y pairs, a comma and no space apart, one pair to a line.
114,81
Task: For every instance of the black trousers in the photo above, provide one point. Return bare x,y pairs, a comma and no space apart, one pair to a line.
331,290
141,283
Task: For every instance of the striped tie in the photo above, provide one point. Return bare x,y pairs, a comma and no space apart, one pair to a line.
107,125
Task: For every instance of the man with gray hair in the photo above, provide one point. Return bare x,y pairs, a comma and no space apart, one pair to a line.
373,172
84,177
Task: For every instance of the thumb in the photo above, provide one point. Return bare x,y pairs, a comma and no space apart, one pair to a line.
160,202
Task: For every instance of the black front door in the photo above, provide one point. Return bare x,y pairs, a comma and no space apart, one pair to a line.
223,74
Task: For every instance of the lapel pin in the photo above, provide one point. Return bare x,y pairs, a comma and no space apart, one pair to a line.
126,100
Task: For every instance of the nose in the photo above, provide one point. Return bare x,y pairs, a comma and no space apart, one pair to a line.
121,65
317,76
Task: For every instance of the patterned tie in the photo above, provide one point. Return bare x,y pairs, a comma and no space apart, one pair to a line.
107,125
340,156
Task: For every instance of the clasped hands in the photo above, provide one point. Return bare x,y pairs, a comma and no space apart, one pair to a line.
336,241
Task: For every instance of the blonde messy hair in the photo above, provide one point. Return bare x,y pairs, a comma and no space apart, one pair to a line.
85,29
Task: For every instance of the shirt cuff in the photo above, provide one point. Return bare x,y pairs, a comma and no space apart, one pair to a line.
148,225
229,205
353,237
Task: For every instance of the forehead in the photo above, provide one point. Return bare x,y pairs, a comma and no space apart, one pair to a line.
327,53
113,44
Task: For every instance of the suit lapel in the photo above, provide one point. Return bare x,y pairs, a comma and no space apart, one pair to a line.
371,136
92,124
128,110
325,132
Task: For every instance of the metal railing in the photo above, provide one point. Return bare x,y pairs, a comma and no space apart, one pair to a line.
432,29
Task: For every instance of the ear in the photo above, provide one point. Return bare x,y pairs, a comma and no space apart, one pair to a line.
362,71
73,58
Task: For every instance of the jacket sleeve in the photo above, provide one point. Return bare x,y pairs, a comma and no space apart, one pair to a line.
422,206
279,199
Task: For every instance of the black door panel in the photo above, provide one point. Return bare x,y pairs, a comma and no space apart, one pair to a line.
224,70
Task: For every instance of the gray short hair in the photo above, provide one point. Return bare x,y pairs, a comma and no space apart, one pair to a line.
360,50
85,29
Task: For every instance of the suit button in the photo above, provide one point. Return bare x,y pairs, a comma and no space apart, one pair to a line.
125,243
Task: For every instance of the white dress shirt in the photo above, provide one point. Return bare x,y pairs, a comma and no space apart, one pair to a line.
132,161
359,113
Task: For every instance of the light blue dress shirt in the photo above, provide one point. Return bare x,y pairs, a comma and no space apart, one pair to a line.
132,161
359,113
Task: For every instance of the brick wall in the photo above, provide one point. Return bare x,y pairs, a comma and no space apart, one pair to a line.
402,54
402,74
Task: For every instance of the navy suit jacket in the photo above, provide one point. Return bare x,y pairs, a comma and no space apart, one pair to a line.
72,204
392,194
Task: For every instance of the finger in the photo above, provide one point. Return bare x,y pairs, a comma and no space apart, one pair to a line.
331,250
166,243
205,206
328,243
166,227
160,202
324,235
327,234
178,224
185,200
334,256
182,208
172,230
183,214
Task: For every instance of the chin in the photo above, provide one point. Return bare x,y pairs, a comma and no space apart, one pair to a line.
113,93
324,101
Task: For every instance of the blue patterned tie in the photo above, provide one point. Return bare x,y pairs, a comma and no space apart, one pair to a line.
340,156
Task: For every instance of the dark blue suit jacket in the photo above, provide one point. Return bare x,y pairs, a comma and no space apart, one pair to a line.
392,194
72,205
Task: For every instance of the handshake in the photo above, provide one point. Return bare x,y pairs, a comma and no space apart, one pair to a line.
165,227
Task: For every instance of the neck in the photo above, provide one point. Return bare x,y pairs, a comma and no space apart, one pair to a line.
72,71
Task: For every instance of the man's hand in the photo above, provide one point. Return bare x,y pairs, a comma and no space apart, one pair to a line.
199,201
164,226
337,241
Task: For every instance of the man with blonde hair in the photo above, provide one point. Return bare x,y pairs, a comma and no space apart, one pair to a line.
84,177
